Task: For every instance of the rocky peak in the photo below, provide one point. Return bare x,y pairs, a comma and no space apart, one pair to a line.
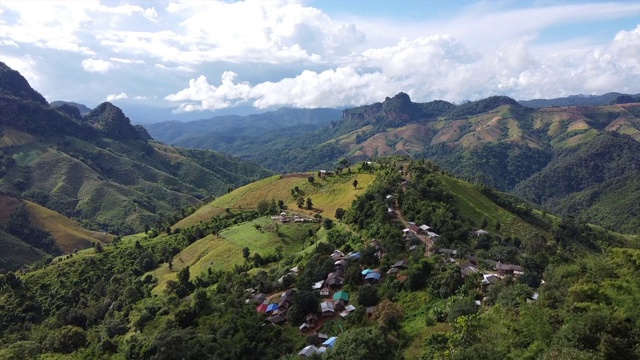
112,122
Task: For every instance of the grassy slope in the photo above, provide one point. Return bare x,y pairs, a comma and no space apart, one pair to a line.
327,195
16,253
225,250
472,204
69,234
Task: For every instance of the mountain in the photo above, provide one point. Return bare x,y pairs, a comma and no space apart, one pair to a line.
495,141
230,128
575,100
98,168
83,109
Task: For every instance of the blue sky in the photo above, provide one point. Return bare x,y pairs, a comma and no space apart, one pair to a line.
203,56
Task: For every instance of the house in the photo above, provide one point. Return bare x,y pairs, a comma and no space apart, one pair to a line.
479,233
328,309
341,295
375,244
487,280
339,305
335,280
401,264
276,319
262,308
444,251
325,292
322,336
413,227
259,298
424,228
366,271
406,232
353,256
272,307
373,277
468,269
308,351
370,311
304,327
311,319
337,255
433,236
287,297
318,285
508,269
390,211
330,342
350,308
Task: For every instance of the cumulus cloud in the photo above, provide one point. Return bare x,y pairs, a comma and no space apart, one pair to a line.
436,67
121,96
96,65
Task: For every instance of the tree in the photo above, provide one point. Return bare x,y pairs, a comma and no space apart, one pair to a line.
344,162
368,296
363,344
66,340
355,183
485,223
498,225
389,315
300,201
340,213
311,179
305,302
246,253
327,223
309,204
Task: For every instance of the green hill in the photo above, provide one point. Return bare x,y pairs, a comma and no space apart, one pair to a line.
185,290
495,141
98,168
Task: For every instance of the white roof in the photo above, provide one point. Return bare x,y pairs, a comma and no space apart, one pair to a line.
318,285
308,350
350,308
425,227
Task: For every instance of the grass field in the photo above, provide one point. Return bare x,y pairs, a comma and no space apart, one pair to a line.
326,194
224,251
472,204
16,253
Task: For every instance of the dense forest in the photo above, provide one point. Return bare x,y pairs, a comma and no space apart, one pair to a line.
113,302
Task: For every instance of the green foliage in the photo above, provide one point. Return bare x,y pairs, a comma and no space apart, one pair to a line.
363,344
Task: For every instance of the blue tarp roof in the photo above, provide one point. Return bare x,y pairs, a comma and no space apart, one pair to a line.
366,271
272,307
373,275
331,342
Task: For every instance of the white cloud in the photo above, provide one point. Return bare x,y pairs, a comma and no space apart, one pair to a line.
121,96
96,65
127,61
437,67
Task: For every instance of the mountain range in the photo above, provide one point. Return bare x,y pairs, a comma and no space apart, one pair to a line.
97,168
496,141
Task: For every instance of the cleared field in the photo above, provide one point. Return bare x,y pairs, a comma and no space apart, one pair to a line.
326,194
474,205
69,234
224,251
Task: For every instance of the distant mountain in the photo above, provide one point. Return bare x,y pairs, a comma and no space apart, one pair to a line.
99,168
496,141
235,126
83,109
575,100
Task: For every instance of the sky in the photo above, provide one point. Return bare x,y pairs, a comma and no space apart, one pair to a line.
203,56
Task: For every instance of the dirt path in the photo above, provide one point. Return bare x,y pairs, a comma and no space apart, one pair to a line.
425,239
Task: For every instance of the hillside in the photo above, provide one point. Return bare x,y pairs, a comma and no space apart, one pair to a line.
576,100
32,232
495,141
191,291
98,168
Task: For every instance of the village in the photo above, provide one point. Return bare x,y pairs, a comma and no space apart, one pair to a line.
335,303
